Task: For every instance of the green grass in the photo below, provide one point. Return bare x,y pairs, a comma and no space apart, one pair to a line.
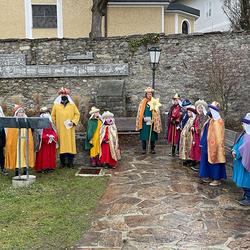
53,213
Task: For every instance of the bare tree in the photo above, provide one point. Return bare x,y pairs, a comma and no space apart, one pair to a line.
219,72
238,13
99,9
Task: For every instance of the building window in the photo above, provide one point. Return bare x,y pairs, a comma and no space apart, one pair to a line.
208,9
185,27
44,16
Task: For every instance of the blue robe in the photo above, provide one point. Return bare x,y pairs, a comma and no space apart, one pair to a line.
240,175
208,170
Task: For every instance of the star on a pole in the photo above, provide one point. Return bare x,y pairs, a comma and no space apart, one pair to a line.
154,104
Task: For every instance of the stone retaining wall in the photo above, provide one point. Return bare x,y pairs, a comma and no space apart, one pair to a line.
185,67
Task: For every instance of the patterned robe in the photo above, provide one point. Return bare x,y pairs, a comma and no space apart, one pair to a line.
185,140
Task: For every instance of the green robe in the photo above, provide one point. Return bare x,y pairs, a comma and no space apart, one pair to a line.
91,128
145,131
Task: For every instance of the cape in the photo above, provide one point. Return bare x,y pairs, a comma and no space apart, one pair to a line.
156,117
91,128
215,141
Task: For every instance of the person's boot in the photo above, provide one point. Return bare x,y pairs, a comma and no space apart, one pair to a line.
195,166
25,171
70,162
16,172
173,151
3,171
245,202
62,161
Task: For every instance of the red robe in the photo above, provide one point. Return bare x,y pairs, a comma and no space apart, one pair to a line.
106,157
195,152
173,121
46,156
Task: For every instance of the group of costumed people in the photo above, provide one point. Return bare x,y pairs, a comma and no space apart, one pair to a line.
43,144
102,139
196,134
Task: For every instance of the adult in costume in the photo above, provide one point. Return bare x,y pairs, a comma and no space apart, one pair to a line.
92,141
2,145
212,164
65,116
173,121
45,145
195,152
12,149
241,154
186,138
109,145
148,122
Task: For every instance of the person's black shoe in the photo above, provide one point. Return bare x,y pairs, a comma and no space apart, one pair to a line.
16,172
24,171
195,168
153,152
3,172
144,152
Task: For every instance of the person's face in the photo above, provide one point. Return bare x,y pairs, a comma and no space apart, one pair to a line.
96,115
176,102
189,113
200,109
109,120
149,95
20,113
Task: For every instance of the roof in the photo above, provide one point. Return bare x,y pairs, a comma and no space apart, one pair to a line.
183,8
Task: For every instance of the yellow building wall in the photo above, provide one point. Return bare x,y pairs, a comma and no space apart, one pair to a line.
189,18
44,33
133,20
76,18
12,22
43,1
169,23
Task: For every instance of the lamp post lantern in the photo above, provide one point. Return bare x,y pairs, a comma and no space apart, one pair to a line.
154,53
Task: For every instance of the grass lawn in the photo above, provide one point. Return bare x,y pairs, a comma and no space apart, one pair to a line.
53,213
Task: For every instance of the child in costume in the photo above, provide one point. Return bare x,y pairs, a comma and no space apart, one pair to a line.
109,145
45,145
241,154
186,137
92,141
174,118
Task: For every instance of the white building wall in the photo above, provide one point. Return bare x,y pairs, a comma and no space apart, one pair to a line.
217,21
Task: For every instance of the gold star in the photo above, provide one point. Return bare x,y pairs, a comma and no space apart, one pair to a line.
154,104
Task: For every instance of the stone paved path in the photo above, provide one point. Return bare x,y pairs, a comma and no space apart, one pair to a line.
152,202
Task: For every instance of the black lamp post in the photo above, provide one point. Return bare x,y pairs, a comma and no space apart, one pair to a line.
154,53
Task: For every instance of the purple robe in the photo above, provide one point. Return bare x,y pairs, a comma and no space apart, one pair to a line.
245,152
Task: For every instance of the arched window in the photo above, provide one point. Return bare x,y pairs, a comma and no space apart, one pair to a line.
185,27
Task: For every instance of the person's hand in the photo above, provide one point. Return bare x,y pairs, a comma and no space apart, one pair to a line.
233,154
192,128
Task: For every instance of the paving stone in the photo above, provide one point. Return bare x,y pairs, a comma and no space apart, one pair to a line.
153,203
